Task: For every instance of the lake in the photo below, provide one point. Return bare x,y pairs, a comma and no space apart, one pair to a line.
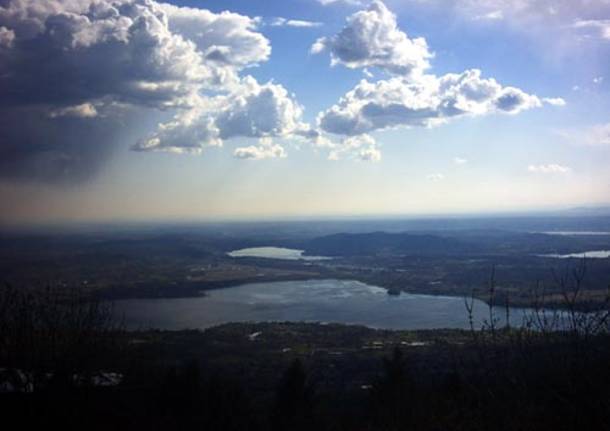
596,254
577,233
274,253
337,301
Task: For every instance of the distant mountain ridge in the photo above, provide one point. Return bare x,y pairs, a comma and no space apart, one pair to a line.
346,244
465,242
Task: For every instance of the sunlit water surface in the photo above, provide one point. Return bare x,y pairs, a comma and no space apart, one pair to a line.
596,254
274,253
338,301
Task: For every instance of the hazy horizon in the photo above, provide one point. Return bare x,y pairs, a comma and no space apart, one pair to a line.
587,219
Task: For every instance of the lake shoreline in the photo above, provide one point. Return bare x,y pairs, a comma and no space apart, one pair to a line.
327,301
199,289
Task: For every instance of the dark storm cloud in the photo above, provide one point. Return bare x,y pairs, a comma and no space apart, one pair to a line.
36,147
69,68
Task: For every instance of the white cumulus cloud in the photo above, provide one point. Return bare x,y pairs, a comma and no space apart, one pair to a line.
409,97
223,38
371,38
6,37
349,2
426,102
595,28
362,147
251,110
552,168
555,101
299,23
265,150
495,15
435,177
84,110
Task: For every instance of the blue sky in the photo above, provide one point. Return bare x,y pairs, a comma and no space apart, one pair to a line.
243,115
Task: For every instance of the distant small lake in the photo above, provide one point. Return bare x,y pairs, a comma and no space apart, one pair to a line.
274,253
598,254
337,301
577,233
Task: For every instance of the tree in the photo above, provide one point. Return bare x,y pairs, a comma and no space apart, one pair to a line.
391,395
294,402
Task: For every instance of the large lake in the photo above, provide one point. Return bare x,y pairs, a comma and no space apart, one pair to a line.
339,301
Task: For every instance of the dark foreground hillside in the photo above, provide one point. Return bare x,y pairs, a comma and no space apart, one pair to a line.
290,376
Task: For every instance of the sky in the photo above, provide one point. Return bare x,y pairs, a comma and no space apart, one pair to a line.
129,110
